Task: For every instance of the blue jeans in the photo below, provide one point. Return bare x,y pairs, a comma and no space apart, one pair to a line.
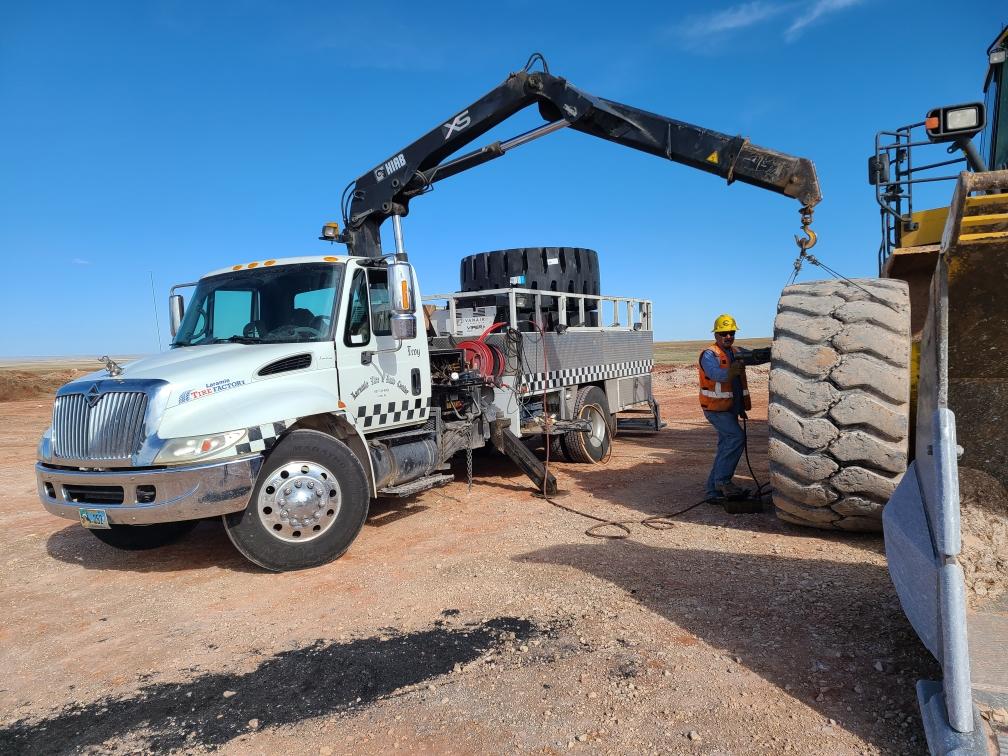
730,445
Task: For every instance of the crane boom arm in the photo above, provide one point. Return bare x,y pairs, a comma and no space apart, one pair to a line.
388,188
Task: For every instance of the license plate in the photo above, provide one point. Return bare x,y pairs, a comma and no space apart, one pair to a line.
94,518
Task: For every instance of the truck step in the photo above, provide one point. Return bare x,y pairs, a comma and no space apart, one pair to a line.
424,430
416,486
639,424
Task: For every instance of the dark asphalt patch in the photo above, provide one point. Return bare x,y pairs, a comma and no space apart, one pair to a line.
323,678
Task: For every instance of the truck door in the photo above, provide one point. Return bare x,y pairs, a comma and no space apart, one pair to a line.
383,382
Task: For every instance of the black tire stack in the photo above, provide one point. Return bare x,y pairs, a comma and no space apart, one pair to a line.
571,270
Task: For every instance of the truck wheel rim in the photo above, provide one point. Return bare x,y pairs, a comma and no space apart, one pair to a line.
599,427
299,502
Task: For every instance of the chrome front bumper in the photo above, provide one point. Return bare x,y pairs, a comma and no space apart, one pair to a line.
179,493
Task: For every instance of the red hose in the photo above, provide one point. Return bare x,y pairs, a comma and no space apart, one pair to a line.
491,329
485,358
477,356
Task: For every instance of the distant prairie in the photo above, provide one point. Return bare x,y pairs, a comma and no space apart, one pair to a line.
35,377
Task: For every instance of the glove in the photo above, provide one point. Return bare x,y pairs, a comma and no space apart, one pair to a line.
760,356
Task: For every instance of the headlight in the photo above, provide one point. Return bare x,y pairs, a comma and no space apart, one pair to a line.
44,451
178,450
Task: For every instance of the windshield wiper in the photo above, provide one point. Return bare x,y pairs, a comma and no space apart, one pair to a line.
237,340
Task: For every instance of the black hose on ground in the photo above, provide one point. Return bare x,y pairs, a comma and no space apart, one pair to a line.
760,493
656,522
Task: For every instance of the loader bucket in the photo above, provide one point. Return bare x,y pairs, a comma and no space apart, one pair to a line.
962,409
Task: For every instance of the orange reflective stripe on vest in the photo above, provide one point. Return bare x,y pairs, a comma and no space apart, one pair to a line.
717,396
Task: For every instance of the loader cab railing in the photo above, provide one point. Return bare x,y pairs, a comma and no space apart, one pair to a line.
894,173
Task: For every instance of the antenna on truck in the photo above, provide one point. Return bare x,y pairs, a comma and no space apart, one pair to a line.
157,325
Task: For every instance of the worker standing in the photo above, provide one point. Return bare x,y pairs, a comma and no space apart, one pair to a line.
724,398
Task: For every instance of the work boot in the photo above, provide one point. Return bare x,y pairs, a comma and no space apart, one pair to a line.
729,490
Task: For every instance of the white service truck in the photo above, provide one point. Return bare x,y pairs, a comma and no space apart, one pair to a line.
299,389
296,390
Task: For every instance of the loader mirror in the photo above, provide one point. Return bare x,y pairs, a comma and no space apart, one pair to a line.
955,122
176,309
878,169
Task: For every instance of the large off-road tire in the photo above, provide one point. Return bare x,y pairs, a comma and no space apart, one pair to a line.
567,269
143,537
308,505
592,447
839,401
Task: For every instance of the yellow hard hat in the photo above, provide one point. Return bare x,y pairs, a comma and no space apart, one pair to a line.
724,322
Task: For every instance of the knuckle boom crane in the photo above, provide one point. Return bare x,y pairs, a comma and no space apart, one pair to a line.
386,190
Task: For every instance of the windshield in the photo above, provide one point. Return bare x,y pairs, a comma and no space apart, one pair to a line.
285,303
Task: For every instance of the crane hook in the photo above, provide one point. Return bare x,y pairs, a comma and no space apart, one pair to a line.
808,241
810,238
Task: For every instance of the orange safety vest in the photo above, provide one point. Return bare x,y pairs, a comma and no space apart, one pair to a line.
716,397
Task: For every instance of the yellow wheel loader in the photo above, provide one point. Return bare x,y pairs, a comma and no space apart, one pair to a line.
889,401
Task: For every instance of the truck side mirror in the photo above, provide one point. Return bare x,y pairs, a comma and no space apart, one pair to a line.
176,309
403,327
878,169
955,122
400,283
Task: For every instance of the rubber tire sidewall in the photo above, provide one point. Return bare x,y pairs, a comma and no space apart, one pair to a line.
258,545
574,442
143,537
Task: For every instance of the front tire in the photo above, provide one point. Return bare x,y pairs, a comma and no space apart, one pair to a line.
143,537
308,505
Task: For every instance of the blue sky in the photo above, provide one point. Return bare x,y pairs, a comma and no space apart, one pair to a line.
172,138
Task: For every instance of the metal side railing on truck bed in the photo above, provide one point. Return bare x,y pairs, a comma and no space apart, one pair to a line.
637,311
569,340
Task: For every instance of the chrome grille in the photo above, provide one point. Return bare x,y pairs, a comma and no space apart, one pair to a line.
111,429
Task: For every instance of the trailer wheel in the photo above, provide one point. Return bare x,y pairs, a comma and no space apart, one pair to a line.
143,537
839,401
591,447
308,505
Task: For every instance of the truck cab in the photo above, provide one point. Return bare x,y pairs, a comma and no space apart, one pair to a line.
261,347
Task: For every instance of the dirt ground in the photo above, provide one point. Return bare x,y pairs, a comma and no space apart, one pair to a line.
465,622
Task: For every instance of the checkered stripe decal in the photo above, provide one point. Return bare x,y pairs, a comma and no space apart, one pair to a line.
567,377
373,415
263,437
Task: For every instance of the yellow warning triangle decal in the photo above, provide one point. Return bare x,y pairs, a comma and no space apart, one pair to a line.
712,158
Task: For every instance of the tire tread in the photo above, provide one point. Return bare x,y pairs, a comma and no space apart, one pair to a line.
839,401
